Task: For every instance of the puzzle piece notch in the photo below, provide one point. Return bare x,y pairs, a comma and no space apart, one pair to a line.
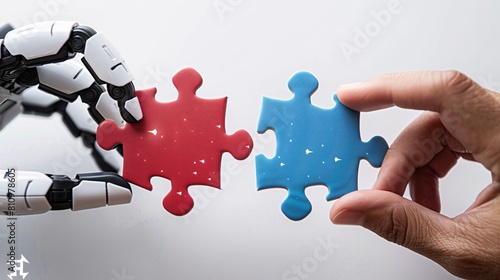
314,146
182,140
187,81
303,86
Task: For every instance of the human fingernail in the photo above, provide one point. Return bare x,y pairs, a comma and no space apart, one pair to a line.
349,86
347,217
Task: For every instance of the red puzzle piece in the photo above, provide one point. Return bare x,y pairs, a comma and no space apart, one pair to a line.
182,141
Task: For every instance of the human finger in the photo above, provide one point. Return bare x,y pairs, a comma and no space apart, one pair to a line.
396,219
415,147
468,111
467,246
424,90
424,185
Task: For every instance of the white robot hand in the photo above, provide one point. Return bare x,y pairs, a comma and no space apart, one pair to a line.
28,57
28,193
62,67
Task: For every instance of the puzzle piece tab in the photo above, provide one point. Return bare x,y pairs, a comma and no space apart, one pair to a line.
182,141
314,146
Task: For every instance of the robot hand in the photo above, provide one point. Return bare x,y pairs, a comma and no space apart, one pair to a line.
28,56
27,193
69,64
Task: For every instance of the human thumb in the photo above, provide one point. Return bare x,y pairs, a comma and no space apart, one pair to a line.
398,220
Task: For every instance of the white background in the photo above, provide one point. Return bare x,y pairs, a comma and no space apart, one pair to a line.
245,50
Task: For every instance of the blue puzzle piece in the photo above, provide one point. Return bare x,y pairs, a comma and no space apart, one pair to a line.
314,146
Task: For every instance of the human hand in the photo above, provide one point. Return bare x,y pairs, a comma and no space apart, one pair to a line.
462,120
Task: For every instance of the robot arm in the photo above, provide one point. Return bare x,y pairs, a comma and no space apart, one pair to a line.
28,55
67,61
27,193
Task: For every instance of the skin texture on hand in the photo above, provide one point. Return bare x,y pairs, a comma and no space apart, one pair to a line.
461,119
